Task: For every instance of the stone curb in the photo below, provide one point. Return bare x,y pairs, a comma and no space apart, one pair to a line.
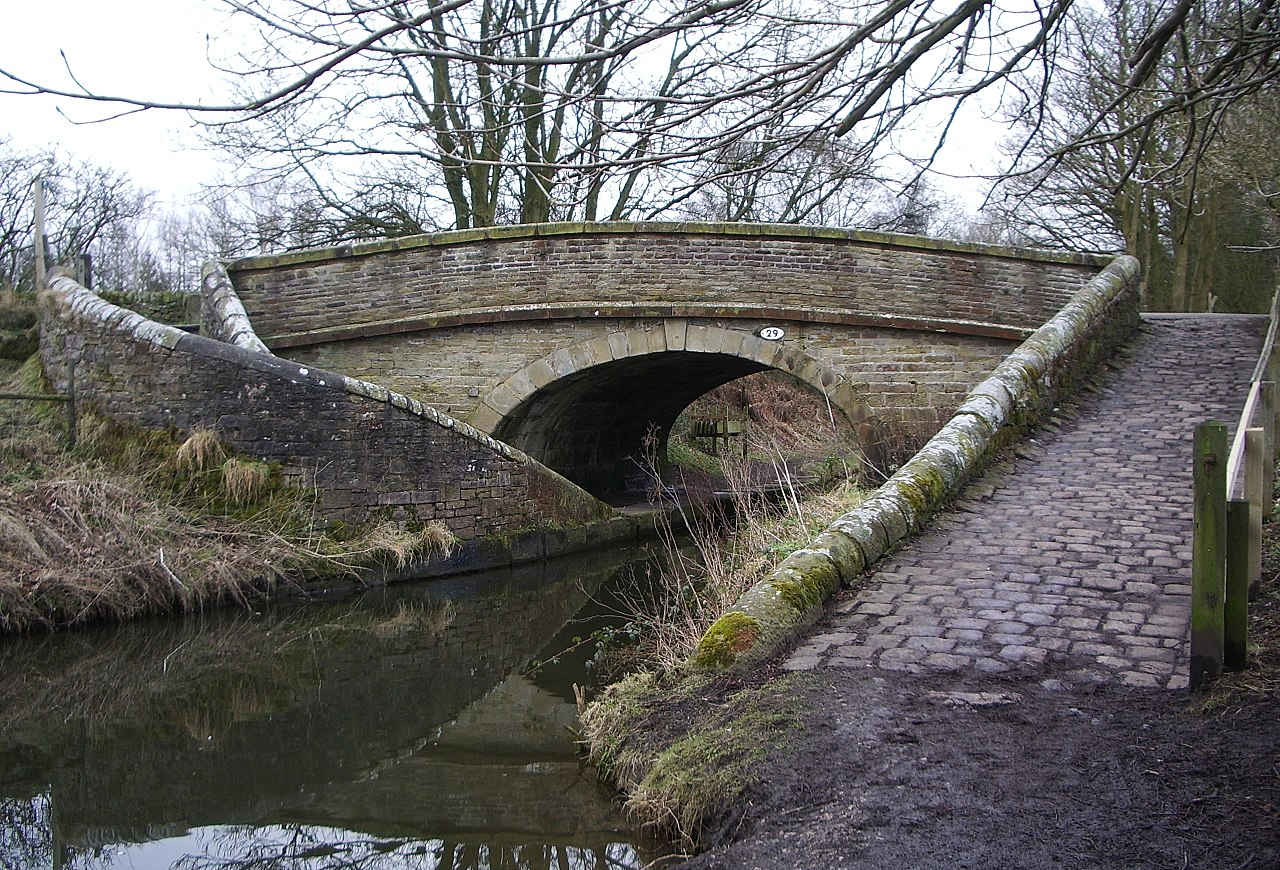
577,228
1013,396
77,301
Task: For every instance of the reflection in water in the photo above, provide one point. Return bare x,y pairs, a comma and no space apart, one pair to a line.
304,847
393,731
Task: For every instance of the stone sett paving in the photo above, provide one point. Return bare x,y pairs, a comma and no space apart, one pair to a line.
1075,551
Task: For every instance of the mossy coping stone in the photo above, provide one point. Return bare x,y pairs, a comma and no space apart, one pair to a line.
686,228
793,595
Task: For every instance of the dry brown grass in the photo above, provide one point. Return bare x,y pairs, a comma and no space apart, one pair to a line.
726,553
92,545
132,521
201,451
392,544
244,480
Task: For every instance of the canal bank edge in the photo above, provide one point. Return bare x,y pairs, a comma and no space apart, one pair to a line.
1028,382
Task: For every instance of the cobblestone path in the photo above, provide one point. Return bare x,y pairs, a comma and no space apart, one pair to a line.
1075,551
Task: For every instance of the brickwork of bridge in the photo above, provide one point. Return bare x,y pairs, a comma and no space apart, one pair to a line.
571,342
1074,553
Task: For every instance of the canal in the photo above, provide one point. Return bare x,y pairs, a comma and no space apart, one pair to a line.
423,725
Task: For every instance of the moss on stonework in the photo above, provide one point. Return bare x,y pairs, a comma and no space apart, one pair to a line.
799,594
726,639
924,487
805,580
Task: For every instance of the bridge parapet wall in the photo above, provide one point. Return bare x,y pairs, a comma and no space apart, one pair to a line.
804,268
368,452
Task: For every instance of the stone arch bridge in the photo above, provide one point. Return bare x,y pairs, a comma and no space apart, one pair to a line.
571,341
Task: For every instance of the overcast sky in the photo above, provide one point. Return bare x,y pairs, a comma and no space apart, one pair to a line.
158,49
152,48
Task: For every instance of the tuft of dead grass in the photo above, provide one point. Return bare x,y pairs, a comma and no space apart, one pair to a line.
243,480
201,451
392,544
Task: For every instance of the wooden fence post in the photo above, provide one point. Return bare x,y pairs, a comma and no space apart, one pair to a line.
1208,562
1235,618
37,234
1266,415
1254,490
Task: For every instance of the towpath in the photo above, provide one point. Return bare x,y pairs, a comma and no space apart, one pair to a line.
995,694
1073,553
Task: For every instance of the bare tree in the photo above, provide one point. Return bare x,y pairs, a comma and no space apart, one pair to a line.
1175,191
469,112
85,203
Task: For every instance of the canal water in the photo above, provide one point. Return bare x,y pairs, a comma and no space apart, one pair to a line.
415,726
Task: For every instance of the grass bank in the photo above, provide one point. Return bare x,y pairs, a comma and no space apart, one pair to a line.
131,521
683,746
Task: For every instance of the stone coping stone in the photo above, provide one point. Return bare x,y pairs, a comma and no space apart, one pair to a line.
688,228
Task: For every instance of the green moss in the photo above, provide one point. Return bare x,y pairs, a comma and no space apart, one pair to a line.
925,489
721,752
797,594
802,592
726,639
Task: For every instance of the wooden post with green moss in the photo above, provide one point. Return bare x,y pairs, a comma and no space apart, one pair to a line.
1209,475
1236,605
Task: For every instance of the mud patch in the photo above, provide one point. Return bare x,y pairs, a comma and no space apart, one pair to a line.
888,777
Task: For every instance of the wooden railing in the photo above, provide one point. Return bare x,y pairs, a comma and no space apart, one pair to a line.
1232,499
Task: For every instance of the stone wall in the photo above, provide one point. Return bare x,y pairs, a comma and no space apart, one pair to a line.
807,268
368,452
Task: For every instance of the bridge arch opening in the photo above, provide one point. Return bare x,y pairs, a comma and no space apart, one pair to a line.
586,410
